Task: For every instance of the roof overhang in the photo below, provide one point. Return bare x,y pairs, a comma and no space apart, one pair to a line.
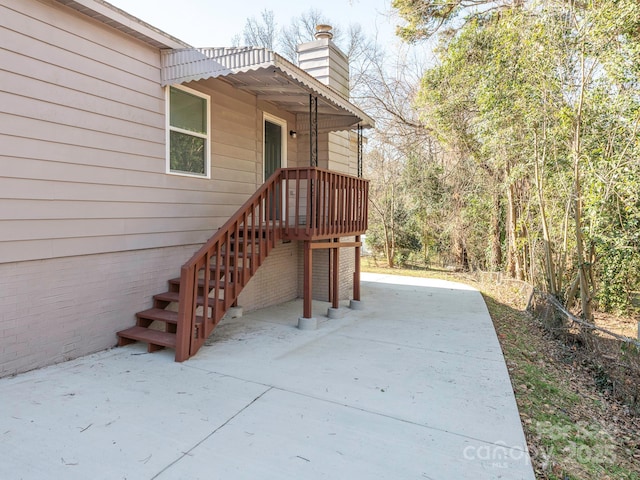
271,78
256,70
119,19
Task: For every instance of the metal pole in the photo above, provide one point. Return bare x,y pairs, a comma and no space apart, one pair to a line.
313,131
359,150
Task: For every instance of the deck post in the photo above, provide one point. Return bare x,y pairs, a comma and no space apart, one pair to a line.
334,310
336,277
355,304
307,322
185,326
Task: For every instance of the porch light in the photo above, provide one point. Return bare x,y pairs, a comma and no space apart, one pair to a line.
293,133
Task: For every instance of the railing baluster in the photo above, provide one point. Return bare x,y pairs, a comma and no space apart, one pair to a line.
205,291
227,268
307,207
335,220
347,226
320,197
365,207
216,282
340,204
238,269
285,213
258,230
276,201
254,249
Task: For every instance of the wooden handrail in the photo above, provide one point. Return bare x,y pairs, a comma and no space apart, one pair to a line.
295,204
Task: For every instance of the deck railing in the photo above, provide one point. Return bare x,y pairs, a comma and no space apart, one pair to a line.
323,204
293,204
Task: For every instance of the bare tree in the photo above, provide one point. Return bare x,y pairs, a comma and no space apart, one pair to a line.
261,32
302,29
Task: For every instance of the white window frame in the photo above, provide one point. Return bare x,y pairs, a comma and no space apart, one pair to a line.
169,129
267,117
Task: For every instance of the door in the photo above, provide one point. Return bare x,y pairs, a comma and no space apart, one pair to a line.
272,147
274,158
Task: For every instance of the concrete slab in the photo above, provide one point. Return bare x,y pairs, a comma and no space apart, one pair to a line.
114,415
288,436
412,386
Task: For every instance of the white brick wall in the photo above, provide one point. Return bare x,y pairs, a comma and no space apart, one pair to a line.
276,281
320,278
59,309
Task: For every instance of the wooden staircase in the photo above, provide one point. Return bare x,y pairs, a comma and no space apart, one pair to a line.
210,283
157,326
184,316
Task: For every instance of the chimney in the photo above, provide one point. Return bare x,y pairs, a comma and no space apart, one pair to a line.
323,60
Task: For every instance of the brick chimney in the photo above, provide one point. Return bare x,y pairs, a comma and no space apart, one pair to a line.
323,60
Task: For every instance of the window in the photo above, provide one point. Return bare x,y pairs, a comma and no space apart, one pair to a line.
188,132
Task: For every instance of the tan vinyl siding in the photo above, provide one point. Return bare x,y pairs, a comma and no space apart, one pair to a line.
340,153
82,128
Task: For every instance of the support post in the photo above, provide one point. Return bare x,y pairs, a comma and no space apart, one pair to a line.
336,278
307,322
356,275
334,309
355,303
308,285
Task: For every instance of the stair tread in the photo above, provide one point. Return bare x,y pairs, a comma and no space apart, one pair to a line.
150,336
157,339
168,296
175,297
176,281
162,315
159,314
232,268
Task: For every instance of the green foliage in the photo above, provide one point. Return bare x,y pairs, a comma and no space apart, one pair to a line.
619,270
426,17
531,105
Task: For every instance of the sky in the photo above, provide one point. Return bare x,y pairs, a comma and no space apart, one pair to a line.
214,23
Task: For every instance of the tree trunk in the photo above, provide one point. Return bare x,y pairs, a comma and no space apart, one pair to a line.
514,269
389,246
585,299
550,270
496,244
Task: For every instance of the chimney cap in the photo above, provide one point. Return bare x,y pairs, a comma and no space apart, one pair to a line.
324,31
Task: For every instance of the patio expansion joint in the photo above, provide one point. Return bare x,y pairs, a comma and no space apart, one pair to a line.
211,434
404,345
333,402
400,419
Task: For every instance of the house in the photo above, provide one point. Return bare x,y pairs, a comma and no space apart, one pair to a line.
147,187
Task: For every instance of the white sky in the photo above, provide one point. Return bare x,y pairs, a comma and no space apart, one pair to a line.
213,23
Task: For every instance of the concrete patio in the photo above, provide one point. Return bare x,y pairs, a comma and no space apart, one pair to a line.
412,387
